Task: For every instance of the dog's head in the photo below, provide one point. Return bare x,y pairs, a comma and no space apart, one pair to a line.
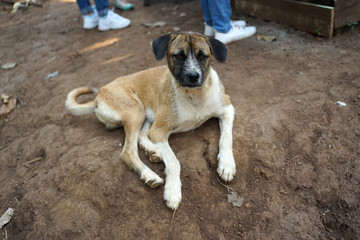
188,55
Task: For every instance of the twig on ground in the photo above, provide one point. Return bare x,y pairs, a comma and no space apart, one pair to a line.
227,187
32,161
173,216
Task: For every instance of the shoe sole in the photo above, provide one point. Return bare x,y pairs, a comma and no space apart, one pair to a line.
106,29
88,28
236,39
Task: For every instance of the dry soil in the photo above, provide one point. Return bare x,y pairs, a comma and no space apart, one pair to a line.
297,151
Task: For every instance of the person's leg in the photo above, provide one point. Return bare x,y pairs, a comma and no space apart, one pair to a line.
220,12
108,18
217,15
102,6
206,12
209,30
89,14
85,7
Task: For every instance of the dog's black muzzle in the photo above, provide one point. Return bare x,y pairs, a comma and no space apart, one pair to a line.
191,80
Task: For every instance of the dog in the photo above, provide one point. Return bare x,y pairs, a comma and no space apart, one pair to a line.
154,103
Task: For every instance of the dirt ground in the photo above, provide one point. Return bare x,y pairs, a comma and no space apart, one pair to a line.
297,151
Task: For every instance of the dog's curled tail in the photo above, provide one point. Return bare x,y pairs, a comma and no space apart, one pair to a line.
76,108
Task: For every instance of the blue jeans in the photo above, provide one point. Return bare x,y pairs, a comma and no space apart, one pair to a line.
102,6
217,14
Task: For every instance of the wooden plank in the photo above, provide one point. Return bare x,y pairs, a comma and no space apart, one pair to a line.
346,12
329,3
307,17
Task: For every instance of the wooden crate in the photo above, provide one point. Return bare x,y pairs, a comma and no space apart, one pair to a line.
320,17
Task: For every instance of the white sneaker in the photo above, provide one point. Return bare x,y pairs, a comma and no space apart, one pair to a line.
112,21
210,31
238,23
91,21
235,33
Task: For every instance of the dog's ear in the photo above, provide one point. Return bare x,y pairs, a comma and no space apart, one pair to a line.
160,46
219,50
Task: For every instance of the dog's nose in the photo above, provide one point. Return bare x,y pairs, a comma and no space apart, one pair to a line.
193,76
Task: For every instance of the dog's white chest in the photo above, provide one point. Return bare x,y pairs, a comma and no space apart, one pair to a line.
192,113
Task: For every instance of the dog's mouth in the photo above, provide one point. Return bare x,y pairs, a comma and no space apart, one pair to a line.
190,85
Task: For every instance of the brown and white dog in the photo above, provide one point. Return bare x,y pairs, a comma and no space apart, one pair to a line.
154,103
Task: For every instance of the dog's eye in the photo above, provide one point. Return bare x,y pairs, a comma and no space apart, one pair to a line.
202,56
179,56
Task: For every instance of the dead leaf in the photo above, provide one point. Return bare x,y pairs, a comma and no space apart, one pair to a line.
19,5
267,38
6,108
4,98
260,36
155,24
234,199
5,218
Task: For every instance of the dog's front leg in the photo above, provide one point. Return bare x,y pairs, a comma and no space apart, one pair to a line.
226,165
172,191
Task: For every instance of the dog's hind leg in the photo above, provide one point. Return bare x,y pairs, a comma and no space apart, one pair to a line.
151,150
129,154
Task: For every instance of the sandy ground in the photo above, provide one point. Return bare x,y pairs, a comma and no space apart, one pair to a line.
297,151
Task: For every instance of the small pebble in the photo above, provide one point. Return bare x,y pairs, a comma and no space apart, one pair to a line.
9,65
341,104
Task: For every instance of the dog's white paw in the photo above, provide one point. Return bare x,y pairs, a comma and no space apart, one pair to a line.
154,155
151,178
226,168
172,193
150,149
